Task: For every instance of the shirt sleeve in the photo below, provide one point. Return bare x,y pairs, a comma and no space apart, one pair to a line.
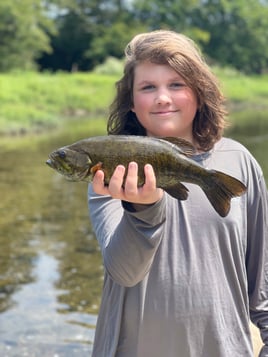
257,260
128,238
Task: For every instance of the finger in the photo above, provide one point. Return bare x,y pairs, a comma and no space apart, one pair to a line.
98,183
131,183
151,193
150,179
116,181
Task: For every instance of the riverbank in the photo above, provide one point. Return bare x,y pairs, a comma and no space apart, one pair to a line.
33,103
38,102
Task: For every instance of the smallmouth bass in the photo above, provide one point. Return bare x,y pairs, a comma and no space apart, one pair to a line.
169,157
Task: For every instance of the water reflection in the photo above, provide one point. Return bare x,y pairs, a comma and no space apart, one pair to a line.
34,328
50,265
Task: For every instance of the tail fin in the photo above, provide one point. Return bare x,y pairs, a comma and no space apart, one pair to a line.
221,189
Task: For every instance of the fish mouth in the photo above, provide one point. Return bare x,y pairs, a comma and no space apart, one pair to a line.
67,171
59,165
52,163
49,163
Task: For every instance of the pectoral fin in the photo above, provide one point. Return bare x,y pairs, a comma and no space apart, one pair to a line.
178,191
96,167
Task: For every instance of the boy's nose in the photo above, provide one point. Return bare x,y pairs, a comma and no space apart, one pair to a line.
162,98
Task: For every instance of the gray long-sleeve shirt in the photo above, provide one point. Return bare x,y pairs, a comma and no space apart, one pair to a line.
181,281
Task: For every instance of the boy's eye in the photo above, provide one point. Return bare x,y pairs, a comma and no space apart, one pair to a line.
172,85
177,85
148,87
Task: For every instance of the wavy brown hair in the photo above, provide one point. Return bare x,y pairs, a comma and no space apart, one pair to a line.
180,53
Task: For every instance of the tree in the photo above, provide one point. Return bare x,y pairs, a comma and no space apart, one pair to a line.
24,29
230,32
238,32
169,14
69,45
88,32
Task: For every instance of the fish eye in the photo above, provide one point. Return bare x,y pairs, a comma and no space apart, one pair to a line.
62,154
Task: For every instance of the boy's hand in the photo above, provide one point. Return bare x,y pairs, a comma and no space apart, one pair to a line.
146,194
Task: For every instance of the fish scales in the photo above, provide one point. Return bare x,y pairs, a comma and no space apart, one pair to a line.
162,155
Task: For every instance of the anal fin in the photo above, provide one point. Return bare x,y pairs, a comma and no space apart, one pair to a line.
178,191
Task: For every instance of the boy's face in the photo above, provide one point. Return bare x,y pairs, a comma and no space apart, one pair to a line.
162,101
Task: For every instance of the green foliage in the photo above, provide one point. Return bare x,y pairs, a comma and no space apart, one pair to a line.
165,13
238,33
76,35
232,33
34,102
24,32
88,33
111,65
111,43
72,41
242,88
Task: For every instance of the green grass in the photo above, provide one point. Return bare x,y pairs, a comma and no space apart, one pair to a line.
239,87
247,100
36,102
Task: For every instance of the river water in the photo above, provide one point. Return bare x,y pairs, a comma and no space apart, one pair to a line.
50,264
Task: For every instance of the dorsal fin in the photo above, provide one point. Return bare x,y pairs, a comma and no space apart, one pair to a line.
184,146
